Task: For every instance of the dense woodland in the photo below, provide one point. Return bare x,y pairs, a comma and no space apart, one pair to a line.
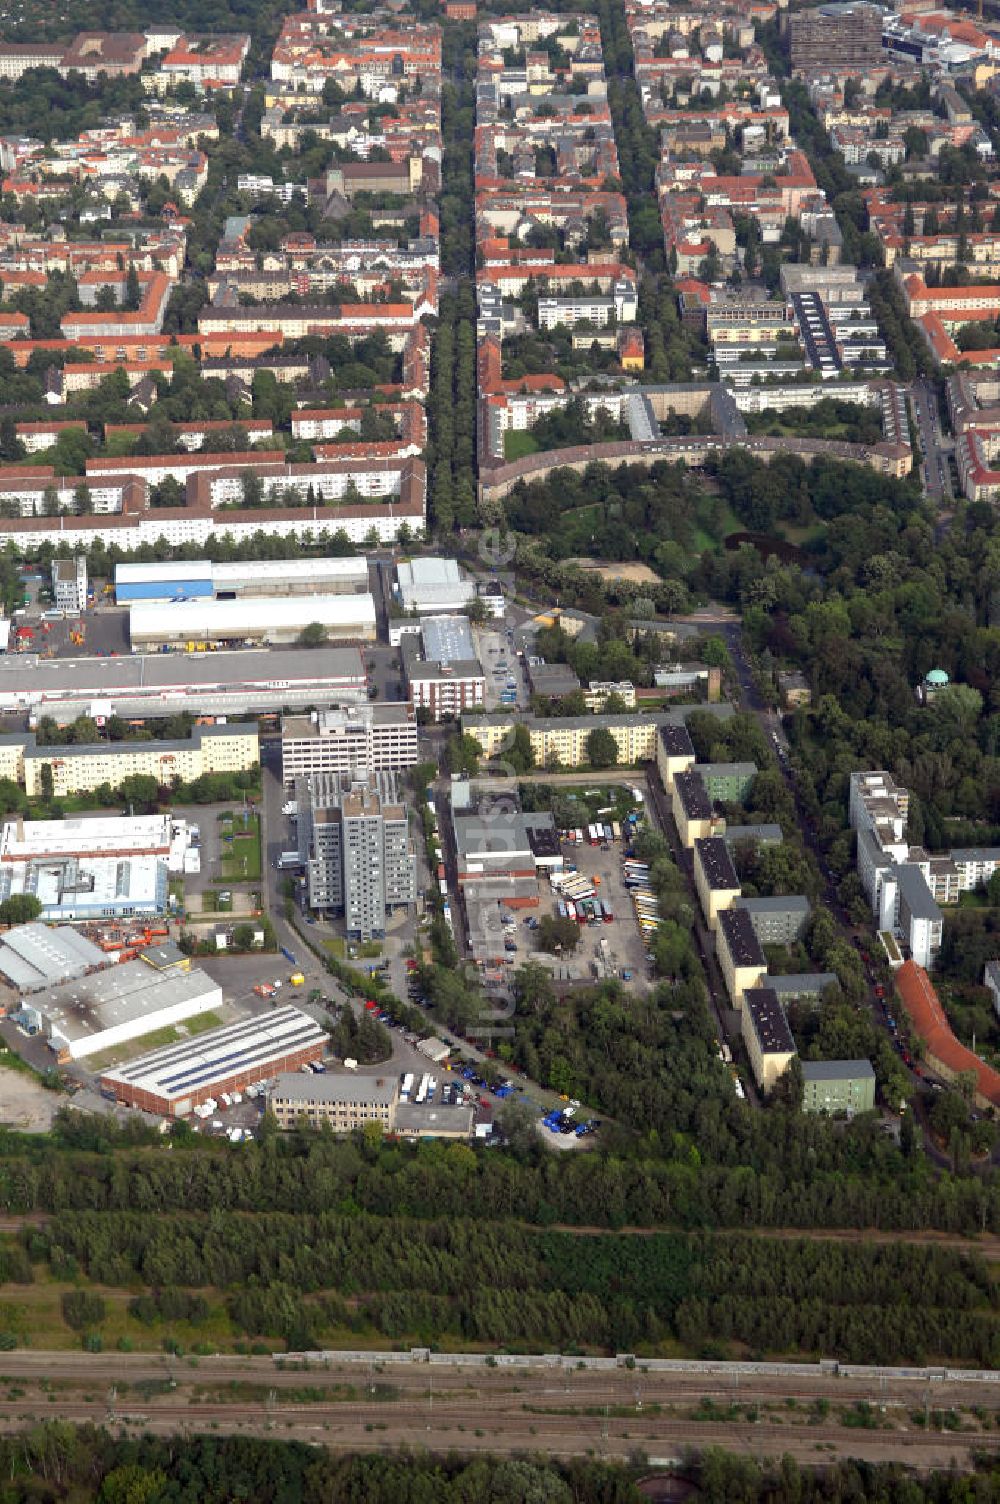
55,1463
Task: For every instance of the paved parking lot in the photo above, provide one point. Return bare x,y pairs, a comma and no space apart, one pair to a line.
627,951
501,666
105,633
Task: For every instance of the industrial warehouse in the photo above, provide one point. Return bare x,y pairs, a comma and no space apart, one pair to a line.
110,1007
224,623
159,684
204,579
173,1081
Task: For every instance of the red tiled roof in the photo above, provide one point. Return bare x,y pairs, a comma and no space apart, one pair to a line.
927,1015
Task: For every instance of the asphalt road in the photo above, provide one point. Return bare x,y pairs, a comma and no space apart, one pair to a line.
936,472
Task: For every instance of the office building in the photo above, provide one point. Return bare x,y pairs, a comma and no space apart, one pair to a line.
738,950
838,1086
777,921
767,1036
443,676
839,37
176,1079
715,878
69,585
355,844
919,920
377,737
340,1102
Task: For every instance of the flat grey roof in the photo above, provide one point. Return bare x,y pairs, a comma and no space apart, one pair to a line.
34,956
803,983
351,1091
766,833
588,722
93,676
448,639
503,834
727,769
794,903
180,744
919,899
837,1070
86,1005
430,1118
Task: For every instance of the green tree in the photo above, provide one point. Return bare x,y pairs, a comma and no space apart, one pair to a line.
20,908
601,748
520,754
313,635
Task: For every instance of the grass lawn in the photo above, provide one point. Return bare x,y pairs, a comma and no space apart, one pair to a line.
172,1034
335,946
241,849
517,443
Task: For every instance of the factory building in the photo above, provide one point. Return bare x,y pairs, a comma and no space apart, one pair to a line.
89,887
77,768
160,684
377,737
176,1079
85,836
430,587
204,579
88,1014
355,844
33,956
279,620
